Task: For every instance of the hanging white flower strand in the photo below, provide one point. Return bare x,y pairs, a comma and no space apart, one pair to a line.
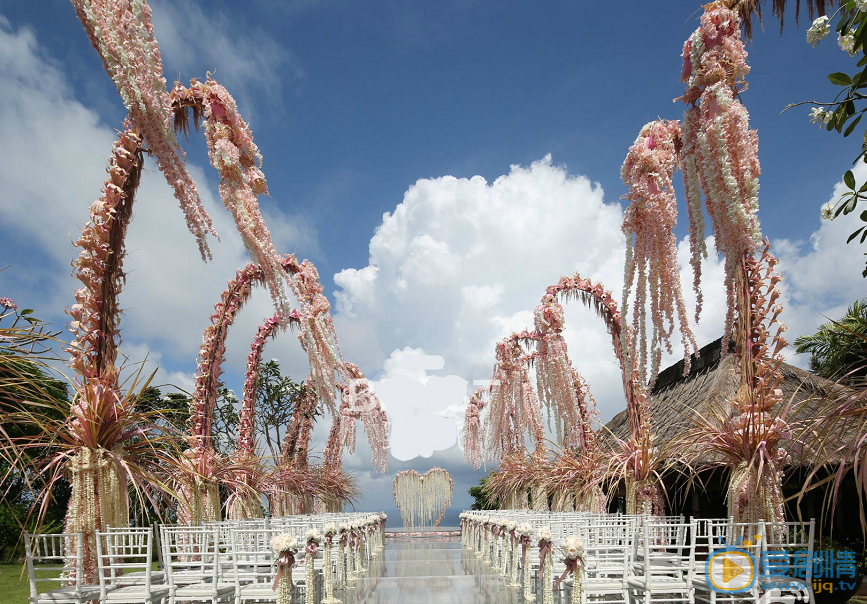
422,500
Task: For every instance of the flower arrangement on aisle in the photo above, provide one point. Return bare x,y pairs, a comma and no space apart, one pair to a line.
360,569
313,538
422,499
525,533
504,545
512,528
546,564
285,546
342,542
573,556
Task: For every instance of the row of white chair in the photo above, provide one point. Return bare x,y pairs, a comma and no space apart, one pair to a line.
650,559
214,562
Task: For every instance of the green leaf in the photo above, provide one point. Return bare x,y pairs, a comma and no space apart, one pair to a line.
840,79
863,61
864,216
863,235
853,235
849,179
26,311
851,126
863,188
850,108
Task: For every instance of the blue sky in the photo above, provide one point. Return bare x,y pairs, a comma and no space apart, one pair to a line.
351,104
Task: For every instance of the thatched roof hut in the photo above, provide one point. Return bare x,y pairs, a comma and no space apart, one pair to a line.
708,390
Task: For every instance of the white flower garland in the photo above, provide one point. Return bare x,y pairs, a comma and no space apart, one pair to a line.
423,499
284,544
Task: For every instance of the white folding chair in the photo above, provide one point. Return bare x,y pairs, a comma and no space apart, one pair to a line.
57,559
718,535
119,552
787,558
663,564
192,559
253,565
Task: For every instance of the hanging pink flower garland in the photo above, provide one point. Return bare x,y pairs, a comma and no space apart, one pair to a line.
121,31
473,427
651,247
237,159
720,150
360,403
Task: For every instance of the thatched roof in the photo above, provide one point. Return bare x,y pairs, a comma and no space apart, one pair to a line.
709,388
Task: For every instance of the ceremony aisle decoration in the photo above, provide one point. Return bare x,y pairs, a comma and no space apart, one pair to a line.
342,540
573,557
721,167
525,532
329,531
422,499
504,547
285,546
313,538
546,564
360,569
513,554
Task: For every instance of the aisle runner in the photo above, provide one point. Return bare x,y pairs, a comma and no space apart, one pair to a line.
429,571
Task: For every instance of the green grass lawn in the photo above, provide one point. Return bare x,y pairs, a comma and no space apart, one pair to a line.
14,588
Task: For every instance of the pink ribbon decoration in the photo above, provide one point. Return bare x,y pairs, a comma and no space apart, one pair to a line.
545,548
571,567
344,538
285,562
312,548
525,543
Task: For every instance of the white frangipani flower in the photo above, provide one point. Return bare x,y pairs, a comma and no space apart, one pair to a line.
818,30
847,44
828,209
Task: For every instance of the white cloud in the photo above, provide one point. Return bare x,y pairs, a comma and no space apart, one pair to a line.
460,263
247,60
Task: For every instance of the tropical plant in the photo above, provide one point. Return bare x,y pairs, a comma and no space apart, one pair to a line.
480,495
838,348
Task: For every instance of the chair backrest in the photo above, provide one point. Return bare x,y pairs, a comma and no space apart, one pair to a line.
667,548
62,553
607,549
252,555
190,554
788,550
122,551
